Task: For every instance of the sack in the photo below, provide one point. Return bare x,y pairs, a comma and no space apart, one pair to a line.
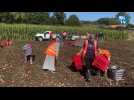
77,62
101,62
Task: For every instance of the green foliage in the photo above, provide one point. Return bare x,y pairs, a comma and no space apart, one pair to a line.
73,20
59,18
130,26
25,17
108,21
27,31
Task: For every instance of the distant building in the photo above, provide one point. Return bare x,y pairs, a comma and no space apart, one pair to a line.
113,26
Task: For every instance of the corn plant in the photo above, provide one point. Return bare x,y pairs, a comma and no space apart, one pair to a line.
27,31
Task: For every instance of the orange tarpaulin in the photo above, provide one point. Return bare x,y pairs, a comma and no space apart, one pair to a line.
104,52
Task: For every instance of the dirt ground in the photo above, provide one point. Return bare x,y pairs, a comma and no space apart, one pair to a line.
14,73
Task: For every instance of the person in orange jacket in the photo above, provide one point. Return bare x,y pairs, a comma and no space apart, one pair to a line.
51,55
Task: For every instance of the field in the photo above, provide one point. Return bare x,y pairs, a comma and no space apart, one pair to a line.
27,31
14,73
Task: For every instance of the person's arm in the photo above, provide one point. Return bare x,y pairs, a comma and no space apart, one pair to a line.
85,48
56,51
95,47
109,59
80,52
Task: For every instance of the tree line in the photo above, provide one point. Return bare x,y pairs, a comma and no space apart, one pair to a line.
55,18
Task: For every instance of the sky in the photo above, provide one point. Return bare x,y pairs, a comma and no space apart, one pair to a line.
92,16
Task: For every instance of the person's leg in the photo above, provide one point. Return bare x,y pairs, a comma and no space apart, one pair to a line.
88,73
94,71
31,59
49,63
83,71
53,63
28,58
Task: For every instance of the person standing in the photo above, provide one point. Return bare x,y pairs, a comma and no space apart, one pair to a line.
51,55
88,53
64,34
27,49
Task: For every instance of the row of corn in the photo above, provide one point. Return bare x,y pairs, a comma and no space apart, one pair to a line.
27,31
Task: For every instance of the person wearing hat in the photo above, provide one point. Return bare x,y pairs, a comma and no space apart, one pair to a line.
51,55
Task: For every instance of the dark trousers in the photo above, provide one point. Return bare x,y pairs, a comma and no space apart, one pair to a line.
88,66
30,58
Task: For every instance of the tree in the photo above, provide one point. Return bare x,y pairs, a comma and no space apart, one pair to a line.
73,20
130,26
53,20
59,18
123,14
13,17
18,17
6,17
33,17
25,17
38,17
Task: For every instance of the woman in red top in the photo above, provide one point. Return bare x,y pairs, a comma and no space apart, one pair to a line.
88,52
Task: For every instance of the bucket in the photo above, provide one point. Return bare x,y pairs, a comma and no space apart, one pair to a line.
116,73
